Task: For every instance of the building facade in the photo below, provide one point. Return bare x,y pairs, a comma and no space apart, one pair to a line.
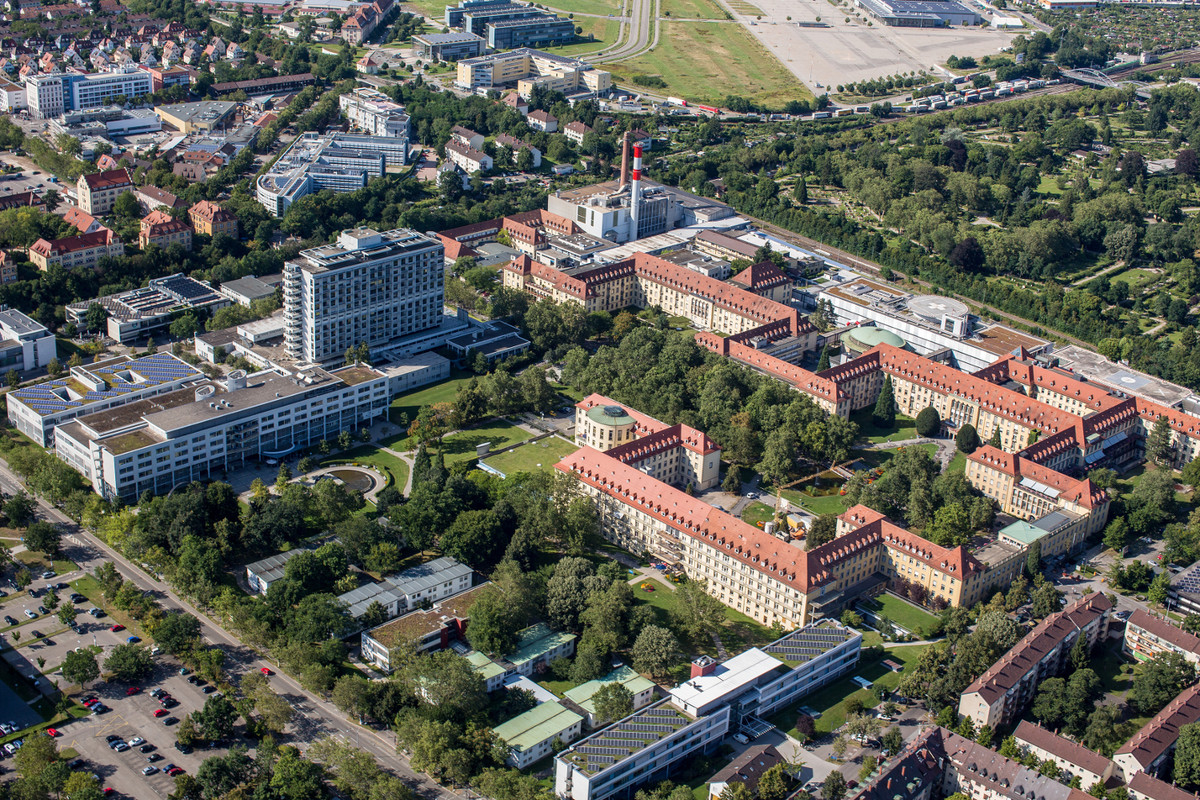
368,287
210,219
1071,758
76,252
98,191
1148,636
373,112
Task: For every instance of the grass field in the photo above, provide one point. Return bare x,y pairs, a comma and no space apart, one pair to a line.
461,446
604,33
707,61
411,402
603,7
958,463
758,513
539,455
1137,279
906,616
877,458
690,9
905,428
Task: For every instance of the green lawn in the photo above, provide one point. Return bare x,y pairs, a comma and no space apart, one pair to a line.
540,455
958,463
905,427
369,454
758,513
690,9
1049,185
461,446
1114,670
39,563
410,403
878,458
700,61
830,504
603,31
830,701
558,687
903,614
567,7
1137,279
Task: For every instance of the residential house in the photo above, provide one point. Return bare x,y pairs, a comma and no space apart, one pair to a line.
160,228
98,191
77,252
210,219
575,131
542,121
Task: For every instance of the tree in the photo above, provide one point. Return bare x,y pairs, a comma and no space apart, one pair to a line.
1158,443
177,633
1157,593
80,668
892,741
884,415
1187,757
612,702
43,537
128,662
54,367
20,509
12,378
1080,656
475,538
823,360
1161,679
654,650
36,755
82,786
823,531
966,440
1116,535
493,623
67,614
995,440
869,764
735,790
1033,559
929,422
215,720
696,612
834,787
800,190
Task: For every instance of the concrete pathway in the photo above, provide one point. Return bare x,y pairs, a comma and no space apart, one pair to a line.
1105,271
945,447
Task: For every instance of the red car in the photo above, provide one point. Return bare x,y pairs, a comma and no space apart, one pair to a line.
108,790
160,712
91,701
52,732
132,690
117,628
175,771
266,671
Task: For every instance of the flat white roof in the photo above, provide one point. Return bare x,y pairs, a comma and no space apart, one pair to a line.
728,678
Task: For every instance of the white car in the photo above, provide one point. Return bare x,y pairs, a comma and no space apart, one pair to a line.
742,738
135,741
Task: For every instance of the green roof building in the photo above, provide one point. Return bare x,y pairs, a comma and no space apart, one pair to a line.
531,736
492,672
537,646
641,688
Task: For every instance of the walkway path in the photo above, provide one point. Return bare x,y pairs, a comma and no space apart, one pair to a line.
945,447
1105,271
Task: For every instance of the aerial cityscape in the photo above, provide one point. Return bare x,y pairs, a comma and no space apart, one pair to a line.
600,400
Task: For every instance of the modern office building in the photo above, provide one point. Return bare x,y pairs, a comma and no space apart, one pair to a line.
581,697
263,573
140,313
244,291
405,591
367,287
1001,693
44,96
36,410
537,30
373,112
206,430
448,46
25,344
646,747
98,191
49,95
338,161
525,69
206,116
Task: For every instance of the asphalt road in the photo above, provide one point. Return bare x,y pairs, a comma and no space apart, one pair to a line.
314,717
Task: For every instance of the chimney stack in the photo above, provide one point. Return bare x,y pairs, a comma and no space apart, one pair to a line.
624,160
635,189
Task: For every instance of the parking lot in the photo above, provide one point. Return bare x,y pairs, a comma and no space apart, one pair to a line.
128,716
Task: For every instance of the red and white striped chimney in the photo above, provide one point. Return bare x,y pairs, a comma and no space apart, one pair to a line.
635,188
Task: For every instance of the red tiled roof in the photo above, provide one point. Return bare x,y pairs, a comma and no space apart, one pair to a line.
210,212
1080,491
79,219
1143,785
1071,752
762,275
653,435
1159,627
1026,654
72,244
1157,735
20,200
109,179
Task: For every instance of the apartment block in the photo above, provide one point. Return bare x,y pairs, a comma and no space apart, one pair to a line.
98,191
25,344
1151,747
467,158
161,229
1072,758
76,252
200,431
210,219
1148,636
534,735
367,287
1001,693
641,689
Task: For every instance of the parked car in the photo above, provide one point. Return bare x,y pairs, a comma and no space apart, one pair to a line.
117,628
